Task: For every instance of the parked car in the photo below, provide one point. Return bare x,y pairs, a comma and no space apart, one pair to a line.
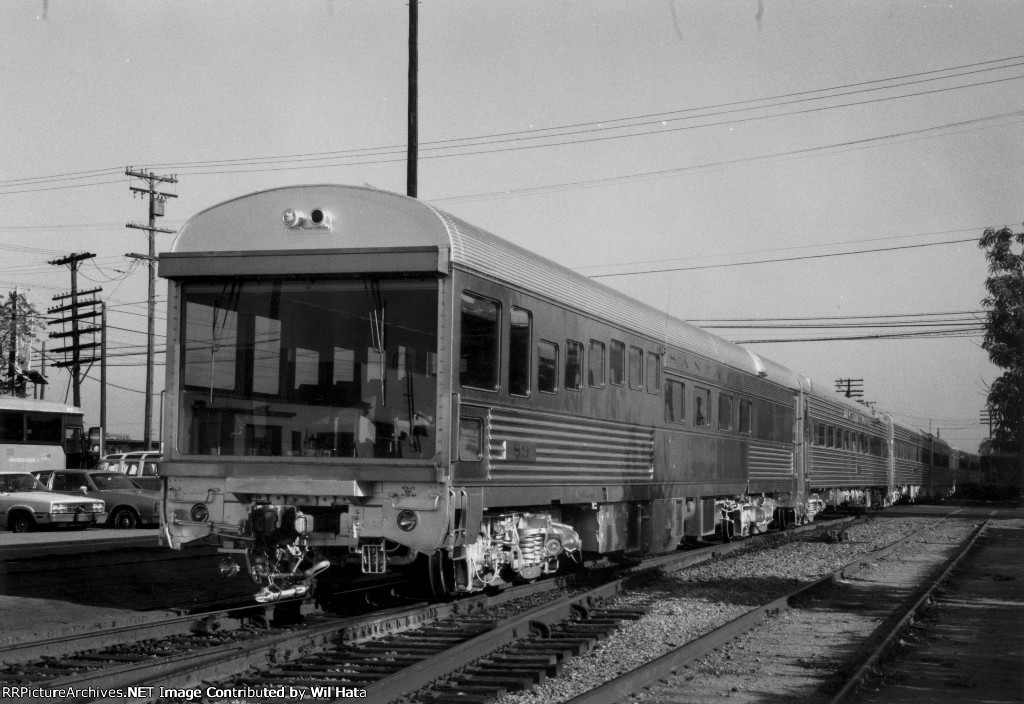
128,504
142,467
26,503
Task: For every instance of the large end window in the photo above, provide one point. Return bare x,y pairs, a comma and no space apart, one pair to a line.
317,368
478,360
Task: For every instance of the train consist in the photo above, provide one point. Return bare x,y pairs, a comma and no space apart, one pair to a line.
360,382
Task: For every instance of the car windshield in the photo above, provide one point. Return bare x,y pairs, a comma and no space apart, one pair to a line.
107,481
20,482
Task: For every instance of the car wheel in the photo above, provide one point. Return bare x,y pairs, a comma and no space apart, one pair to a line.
124,519
20,522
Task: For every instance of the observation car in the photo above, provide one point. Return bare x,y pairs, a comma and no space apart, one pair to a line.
356,378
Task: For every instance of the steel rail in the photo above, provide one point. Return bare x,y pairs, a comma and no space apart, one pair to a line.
619,689
541,618
217,662
162,626
858,677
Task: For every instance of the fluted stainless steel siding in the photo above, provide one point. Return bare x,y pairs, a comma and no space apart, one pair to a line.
769,462
569,448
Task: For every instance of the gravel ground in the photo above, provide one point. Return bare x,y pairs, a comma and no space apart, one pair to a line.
687,604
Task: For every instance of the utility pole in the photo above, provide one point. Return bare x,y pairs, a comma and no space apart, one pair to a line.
12,354
413,146
76,314
103,379
156,210
986,419
851,388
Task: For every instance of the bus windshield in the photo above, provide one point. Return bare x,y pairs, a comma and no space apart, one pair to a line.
309,368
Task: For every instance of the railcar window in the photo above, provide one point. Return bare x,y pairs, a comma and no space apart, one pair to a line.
471,432
617,363
321,368
830,436
547,366
764,423
12,426
573,365
675,401
821,434
519,345
43,428
636,368
595,370
724,412
701,407
653,373
478,364
784,424
745,414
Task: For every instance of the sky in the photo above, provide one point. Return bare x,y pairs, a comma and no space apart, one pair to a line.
750,166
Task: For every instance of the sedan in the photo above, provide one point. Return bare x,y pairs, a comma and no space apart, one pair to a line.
26,503
128,505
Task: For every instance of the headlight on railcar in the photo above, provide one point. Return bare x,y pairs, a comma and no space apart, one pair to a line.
407,521
199,513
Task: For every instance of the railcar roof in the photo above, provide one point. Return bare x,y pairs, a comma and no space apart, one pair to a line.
365,218
14,403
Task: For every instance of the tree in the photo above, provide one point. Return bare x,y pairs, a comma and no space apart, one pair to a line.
28,324
1004,336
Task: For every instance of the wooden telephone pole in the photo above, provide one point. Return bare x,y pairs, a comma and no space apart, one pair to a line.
76,311
156,210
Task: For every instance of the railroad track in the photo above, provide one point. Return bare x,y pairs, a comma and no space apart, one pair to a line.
675,676
389,655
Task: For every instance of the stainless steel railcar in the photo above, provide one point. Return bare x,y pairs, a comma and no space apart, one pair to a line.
358,378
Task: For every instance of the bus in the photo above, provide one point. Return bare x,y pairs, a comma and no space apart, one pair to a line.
37,435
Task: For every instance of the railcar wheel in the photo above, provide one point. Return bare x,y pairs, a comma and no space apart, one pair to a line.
124,519
442,574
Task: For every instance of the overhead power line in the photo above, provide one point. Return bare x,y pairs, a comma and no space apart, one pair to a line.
659,121
783,259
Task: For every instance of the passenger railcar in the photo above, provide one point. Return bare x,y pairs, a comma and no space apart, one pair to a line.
357,378
37,434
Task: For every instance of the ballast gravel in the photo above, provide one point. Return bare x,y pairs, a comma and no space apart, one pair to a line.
685,605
